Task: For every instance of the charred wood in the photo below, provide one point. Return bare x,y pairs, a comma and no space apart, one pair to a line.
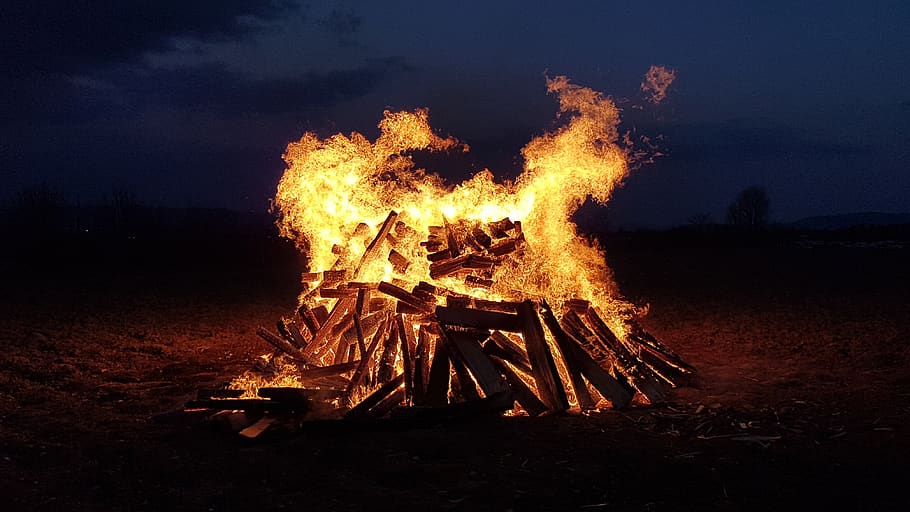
543,367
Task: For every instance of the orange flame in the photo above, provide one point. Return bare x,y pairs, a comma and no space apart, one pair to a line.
657,80
336,192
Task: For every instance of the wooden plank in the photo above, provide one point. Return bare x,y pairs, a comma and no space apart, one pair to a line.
322,336
437,391
462,385
478,318
256,429
282,345
357,377
451,240
503,347
421,365
328,371
389,351
543,368
309,319
405,296
405,336
374,246
291,329
567,348
465,347
639,375
360,410
525,396
399,262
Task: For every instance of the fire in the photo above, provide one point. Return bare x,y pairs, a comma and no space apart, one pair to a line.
345,199
333,185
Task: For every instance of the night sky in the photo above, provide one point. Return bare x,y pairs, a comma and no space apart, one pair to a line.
192,103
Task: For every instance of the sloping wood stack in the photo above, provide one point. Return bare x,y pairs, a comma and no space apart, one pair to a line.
361,349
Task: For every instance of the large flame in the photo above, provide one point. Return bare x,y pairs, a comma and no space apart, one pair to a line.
333,185
337,192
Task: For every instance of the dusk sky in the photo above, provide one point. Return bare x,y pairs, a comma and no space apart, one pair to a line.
193,103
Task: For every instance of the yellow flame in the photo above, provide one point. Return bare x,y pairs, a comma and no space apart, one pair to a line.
331,185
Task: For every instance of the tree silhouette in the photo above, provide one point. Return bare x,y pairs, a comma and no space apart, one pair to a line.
750,208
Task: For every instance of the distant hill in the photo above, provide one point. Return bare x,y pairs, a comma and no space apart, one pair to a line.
848,220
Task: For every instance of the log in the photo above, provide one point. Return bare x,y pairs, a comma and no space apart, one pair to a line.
362,409
334,276
405,296
478,282
568,348
290,330
309,319
543,368
462,385
639,375
446,267
421,365
322,336
451,241
437,391
327,371
282,345
482,238
405,338
503,347
502,248
357,377
465,347
389,351
399,262
524,395
478,318
650,343
337,293
580,363
373,248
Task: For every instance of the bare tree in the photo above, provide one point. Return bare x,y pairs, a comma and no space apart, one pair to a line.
750,208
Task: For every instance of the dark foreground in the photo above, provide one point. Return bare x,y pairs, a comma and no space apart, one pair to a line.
803,401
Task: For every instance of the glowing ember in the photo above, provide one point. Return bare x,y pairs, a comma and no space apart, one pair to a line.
407,272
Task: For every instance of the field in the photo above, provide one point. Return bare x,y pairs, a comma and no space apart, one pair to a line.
803,398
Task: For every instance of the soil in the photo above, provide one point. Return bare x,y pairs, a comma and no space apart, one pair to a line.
802,400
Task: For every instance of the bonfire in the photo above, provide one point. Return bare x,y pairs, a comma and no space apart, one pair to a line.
426,299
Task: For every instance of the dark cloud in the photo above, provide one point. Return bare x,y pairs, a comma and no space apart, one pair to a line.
342,22
226,92
53,37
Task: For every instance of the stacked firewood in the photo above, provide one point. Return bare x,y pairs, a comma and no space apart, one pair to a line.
374,349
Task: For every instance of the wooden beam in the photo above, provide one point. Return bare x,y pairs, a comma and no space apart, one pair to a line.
568,348
465,347
373,248
525,396
543,368
478,318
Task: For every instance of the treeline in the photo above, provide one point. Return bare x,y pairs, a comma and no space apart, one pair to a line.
43,213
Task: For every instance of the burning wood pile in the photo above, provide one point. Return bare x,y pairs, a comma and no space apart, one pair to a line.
393,351
441,310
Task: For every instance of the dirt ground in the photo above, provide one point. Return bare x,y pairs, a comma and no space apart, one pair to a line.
803,398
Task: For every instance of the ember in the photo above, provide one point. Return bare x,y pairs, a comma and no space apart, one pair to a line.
429,300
